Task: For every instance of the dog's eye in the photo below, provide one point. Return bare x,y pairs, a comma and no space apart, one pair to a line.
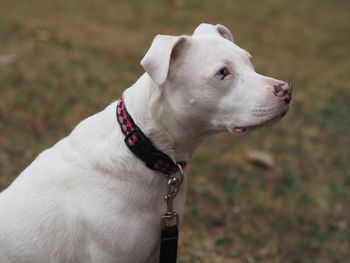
222,73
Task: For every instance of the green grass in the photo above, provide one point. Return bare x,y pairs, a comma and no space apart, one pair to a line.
71,58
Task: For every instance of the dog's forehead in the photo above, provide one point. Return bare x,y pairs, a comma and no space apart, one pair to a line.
216,45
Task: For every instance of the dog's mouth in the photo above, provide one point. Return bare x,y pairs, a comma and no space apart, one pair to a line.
273,120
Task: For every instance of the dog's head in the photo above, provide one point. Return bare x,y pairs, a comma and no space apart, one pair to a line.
208,80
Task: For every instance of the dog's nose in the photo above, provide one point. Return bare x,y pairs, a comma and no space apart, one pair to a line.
282,89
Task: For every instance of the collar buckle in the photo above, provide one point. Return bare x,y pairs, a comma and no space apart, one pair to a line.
142,147
139,145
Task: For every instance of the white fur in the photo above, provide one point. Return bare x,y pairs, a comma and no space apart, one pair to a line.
89,199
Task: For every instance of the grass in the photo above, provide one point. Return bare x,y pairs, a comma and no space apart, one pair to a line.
71,58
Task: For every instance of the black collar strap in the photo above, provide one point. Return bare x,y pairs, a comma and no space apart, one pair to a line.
141,146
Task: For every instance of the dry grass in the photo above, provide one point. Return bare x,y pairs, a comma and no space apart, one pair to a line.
61,61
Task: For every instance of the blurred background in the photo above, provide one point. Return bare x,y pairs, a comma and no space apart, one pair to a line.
281,194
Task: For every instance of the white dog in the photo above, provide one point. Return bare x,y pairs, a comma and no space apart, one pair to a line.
90,199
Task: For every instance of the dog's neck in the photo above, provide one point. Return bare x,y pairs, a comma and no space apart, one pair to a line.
156,118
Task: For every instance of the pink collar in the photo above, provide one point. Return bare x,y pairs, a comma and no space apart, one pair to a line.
141,146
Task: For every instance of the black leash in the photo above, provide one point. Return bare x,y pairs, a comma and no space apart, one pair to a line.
168,244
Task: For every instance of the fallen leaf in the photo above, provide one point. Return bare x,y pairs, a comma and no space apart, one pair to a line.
261,159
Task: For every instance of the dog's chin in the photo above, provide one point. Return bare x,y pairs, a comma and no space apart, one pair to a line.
253,127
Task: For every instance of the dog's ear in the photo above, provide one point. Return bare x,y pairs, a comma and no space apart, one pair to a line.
224,32
164,49
205,28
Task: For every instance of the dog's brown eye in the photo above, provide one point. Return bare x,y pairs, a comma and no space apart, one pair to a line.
222,73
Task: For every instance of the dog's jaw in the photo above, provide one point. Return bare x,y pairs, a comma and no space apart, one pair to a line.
250,128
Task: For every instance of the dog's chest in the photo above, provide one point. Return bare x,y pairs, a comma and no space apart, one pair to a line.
127,216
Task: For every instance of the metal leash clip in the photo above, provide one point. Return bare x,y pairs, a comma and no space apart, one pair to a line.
174,184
